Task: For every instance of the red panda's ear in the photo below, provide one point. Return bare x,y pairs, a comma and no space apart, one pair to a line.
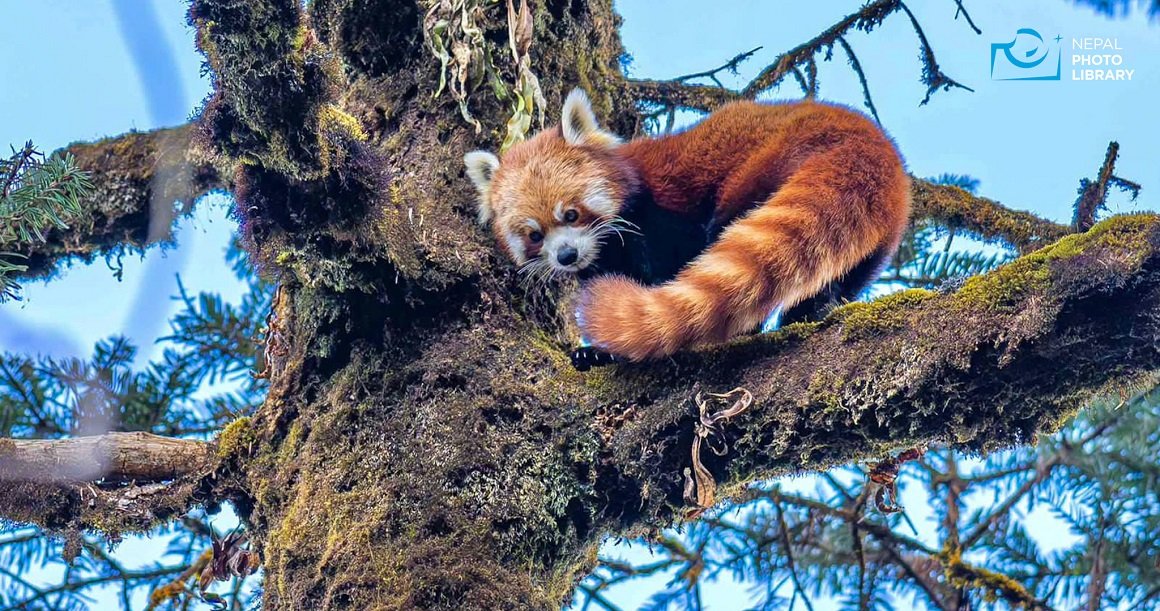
578,122
481,167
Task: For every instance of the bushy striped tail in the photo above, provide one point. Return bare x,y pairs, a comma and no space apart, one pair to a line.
825,220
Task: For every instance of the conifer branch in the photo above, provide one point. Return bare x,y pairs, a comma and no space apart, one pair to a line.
37,195
139,183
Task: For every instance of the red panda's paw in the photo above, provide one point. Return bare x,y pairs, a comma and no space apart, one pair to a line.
611,315
587,357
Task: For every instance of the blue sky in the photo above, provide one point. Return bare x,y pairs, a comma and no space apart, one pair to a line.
1029,142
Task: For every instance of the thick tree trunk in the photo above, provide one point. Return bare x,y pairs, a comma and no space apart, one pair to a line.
423,445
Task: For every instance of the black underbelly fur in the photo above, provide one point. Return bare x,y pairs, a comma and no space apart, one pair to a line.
667,242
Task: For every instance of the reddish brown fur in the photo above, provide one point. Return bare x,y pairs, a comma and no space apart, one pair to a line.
805,191
545,169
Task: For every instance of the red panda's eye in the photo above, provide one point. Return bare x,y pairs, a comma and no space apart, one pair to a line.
570,216
536,237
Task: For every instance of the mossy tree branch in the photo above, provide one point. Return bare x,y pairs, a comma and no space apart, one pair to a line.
141,182
801,63
954,208
1011,354
112,483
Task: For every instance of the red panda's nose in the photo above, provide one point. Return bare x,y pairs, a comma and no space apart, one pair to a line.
567,255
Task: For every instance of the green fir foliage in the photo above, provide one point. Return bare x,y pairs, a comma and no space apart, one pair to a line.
37,195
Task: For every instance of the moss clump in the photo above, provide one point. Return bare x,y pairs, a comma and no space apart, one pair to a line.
1003,288
1006,286
866,319
826,390
331,118
799,330
995,586
335,130
238,436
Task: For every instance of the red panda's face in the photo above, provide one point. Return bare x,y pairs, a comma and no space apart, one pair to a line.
553,203
553,200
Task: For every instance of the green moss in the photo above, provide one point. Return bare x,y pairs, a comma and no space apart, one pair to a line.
1008,285
800,330
238,436
293,442
995,586
865,319
825,389
1004,287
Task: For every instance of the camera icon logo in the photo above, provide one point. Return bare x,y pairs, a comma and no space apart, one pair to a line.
1026,58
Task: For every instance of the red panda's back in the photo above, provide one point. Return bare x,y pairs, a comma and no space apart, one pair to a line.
704,167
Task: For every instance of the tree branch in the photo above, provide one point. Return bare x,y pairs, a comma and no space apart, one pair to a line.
113,457
138,179
1093,194
985,219
865,19
1011,354
47,481
678,93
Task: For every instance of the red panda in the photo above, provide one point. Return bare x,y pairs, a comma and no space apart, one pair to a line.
695,237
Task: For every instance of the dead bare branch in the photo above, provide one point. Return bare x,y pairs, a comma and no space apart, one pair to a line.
113,457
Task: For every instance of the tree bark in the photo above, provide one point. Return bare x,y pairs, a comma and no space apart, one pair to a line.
113,483
426,444
112,457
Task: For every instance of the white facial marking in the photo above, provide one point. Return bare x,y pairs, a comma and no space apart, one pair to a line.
577,237
598,199
516,246
533,224
481,168
558,211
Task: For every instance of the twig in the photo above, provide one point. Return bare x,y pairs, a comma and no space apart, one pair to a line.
73,586
962,10
175,587
865,19
848,515
1043,470
679,93
18,161
784,531
730,66
1004,508
856,66
909,569
932,76
1093,195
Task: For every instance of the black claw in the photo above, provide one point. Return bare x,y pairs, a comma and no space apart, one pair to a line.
587,357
